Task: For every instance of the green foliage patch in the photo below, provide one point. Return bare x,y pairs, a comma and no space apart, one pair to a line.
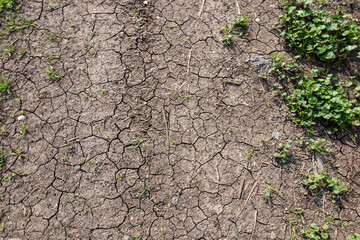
321,96
312,31
322,181
7,4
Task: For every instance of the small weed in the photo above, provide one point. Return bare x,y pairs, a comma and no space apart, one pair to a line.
172,143
2,227
283,153
138,142
21,54
7,4
40,94
50,37
71,25
85,97
13,23
63,159
356,236
52,74
269,191
2,131
143,191
319,182
5,86
237,28
51,56
52,5
18,155
320,145
2,159
101,91
299,212
10,176
250,155
9,50
25,130
138,237
315,232
172,26
2,196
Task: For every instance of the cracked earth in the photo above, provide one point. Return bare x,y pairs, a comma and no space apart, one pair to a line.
155,130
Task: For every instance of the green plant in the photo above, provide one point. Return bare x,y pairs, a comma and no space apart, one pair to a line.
5,86
312,31
18,155
2,130
138,142
250,155
2,159
143,191
52,5
299,211
322,181
319,145
284,153
172,143
25,130
52,74
7,4
13,23
322,97
21,54
237,28
269,190
315,232
356,236
50,36
286,69
9,50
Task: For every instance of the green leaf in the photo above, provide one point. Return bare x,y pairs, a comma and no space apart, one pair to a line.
351,47
324,235
329,56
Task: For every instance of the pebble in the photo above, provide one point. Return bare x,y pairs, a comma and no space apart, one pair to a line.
272,235
21,117
257,20
261,62
276,135
76,169
146,2
175,201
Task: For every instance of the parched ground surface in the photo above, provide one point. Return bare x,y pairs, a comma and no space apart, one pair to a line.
155,129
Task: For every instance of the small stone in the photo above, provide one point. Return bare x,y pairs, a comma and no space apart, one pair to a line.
257,20
21,117
276,135
175,201
263,63
76,169
145,2
319,162
272,235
